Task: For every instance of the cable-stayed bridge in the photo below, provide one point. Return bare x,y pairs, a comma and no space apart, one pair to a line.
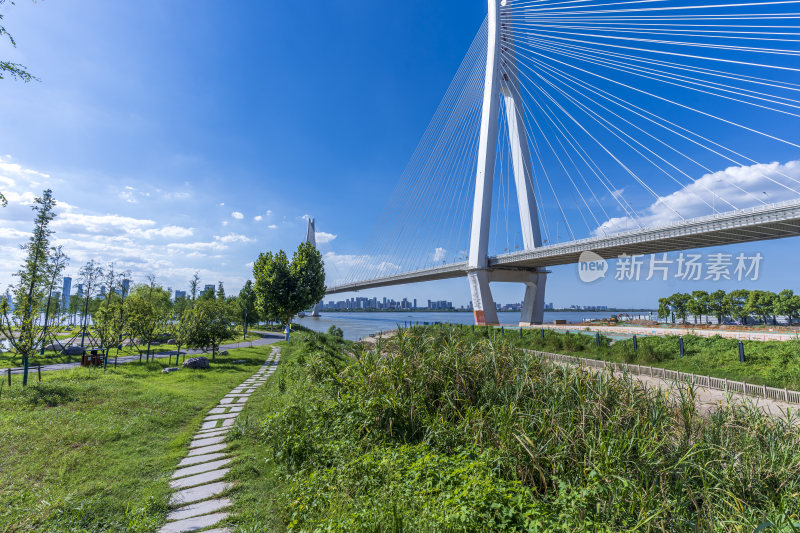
620,127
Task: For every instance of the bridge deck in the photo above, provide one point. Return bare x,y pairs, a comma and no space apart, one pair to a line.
769,222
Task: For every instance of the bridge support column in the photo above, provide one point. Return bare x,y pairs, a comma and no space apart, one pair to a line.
533,305
482,301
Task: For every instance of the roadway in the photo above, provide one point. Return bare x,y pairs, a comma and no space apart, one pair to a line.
769,222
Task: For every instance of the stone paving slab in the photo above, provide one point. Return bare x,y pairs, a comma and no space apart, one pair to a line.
199,479
226,400
194,524
196,494
221,417
207,449
198,509
199,443
201,459
200,468
212,432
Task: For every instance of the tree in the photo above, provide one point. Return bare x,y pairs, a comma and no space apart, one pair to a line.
147,311
736,301
718,305
284,289
787,304
220,291
699,304
58,261
680,305
208,325
761,304
194,283
246,302
15,70
22,325
89,276
664,308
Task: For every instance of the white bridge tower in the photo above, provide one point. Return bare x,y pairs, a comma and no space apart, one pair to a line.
311,238
502,81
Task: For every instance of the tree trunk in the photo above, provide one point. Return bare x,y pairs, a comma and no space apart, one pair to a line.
288,330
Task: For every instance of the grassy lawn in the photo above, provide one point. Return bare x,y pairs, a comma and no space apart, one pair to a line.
772,363
88,450
447,431
11,359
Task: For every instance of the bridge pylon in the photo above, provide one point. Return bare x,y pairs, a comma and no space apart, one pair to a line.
502,81
311,237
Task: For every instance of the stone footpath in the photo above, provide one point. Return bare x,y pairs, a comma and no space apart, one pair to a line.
198,482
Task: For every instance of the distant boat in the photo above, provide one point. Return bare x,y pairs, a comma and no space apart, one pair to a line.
301,315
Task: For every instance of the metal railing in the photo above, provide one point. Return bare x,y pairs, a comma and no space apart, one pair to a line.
708,382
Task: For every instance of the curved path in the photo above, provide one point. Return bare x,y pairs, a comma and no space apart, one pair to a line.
266,338
199,482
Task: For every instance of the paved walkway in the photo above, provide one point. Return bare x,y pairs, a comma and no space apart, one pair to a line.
197,503
267,338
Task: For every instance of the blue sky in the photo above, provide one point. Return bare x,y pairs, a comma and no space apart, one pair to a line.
190,136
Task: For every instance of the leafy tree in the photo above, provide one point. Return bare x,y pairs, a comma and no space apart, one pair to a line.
15,70
208,325
89,276
761,303
246,302
58,261
736,300
194,284
147,310
22,326
664,308
718,305
699,304
787,303
220,291
284,289
680,305
107,321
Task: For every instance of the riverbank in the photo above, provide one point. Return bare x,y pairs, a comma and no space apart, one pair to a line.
440,430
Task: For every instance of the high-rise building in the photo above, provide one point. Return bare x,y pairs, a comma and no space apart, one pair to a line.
126,287
179,295
65,290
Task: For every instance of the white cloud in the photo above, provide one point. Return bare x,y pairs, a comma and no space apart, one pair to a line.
233,237
306,217
725,190
273,226
269,212
439,254
323,238
258,218
237,215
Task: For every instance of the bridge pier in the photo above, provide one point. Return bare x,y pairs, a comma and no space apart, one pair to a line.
483,304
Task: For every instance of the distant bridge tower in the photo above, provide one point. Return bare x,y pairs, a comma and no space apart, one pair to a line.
311,237
502,81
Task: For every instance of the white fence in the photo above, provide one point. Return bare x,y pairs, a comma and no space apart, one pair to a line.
749,389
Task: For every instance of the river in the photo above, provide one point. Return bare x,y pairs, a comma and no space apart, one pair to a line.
359,325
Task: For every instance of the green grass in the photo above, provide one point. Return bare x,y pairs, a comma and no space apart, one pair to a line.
12,360
88,450
445,431
772,363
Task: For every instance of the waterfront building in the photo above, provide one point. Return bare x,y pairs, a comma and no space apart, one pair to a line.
65,290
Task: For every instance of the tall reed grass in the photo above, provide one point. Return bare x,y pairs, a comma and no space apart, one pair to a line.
442,429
